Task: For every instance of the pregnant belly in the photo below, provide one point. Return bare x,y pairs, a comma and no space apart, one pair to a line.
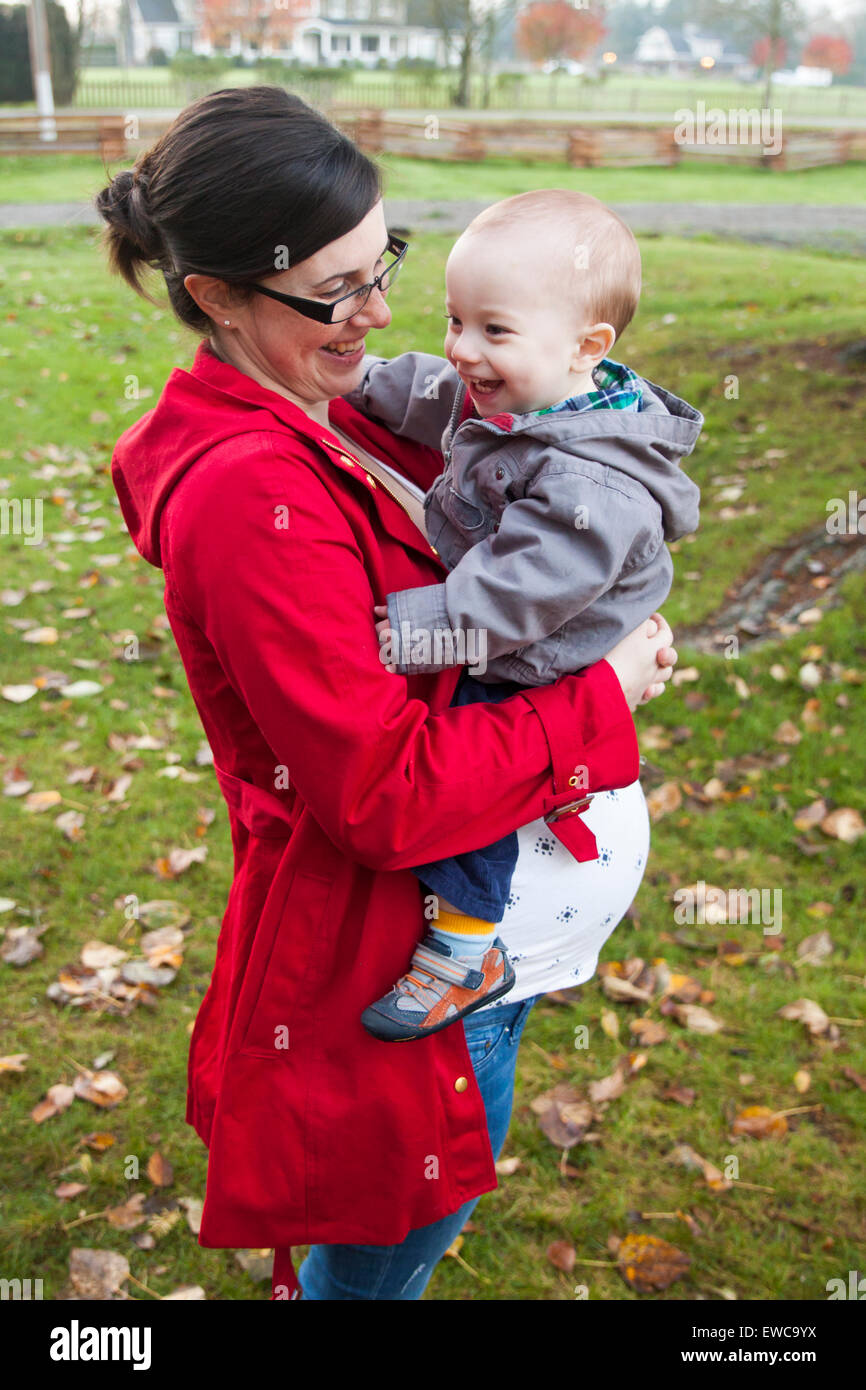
561,912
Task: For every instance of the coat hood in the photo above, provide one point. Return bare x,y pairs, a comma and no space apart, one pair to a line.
648,445
196,411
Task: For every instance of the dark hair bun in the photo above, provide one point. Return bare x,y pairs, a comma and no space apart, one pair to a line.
132,239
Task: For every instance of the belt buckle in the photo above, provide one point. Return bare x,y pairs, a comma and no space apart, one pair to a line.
571,809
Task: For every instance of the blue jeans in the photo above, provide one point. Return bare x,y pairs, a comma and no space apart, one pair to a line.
478,883
402,1272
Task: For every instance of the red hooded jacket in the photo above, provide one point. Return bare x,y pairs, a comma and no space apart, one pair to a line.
275,544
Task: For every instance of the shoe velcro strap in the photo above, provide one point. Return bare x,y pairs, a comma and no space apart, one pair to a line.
455,972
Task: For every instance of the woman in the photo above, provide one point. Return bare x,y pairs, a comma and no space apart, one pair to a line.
254,487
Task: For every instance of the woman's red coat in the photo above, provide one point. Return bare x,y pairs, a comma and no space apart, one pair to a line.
338,776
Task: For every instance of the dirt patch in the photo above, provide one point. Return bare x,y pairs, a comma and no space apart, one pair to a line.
767,603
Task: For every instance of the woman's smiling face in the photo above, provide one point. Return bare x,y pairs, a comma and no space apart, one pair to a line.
295,355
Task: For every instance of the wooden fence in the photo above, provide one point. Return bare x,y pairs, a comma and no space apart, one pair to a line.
588,145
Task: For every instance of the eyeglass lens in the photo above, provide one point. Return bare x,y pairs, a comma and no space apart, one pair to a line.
355,302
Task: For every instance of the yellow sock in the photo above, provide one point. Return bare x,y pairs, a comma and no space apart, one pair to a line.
459,925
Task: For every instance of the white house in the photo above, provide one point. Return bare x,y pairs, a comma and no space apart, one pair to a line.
330,32
145,25
678,52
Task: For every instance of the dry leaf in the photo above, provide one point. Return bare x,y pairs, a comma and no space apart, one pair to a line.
103,1088
622,991
99,1141
664,799
812,950
648,1032
610,1023
696,1019
42,801
97,1274
808,1012
21,945
159,1170
608,1088
189,1292
129,1215
759,1122
563,1255
14,1061
563,1115
506,1166
98,954
193,1207
683,1095
802,1081
685,1155
844,824
67,1190
648,1263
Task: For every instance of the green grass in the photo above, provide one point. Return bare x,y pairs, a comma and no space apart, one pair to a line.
76,178
619,91
70,340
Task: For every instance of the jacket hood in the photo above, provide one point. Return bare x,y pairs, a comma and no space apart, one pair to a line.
648,445
196,411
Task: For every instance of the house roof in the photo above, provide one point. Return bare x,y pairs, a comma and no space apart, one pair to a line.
158,11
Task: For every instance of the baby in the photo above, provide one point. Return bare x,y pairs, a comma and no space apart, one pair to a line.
562,483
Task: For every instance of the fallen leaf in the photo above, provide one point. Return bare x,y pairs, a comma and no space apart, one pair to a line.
103,1088
664,799
563,1115
802,1081
648,1032
67,1190
506,1166
14,1061
759,1122
812,950
697,1019
159,1170
610,1023
37,802
648,1263
683,1095
563,1255
187,1292
129,1215
97,1274
808,1012
844,824
21,945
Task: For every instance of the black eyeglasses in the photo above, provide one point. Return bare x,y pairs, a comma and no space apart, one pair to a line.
348,304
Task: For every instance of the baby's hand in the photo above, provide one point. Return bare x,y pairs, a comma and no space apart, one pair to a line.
383,632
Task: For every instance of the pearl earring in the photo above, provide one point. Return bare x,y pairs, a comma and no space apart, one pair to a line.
227,322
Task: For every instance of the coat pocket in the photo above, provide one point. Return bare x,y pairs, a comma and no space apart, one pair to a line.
290,952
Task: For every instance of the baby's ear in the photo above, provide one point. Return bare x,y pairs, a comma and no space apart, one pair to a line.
595,344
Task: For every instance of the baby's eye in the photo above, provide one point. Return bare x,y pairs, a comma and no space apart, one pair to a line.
453,320
496,328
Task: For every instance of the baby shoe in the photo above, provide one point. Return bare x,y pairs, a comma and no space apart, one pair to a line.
438,988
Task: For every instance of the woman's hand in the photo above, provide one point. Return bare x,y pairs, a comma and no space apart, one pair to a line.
644,660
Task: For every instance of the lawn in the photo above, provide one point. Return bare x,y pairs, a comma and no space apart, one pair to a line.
756,339
76,178
619,91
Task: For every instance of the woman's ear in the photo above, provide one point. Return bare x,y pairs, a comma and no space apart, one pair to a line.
594,344
211,295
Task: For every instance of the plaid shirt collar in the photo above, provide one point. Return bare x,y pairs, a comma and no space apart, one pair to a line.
618,389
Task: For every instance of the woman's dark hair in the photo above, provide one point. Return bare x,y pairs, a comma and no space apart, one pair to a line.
240,174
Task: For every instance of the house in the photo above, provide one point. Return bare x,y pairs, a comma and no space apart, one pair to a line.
682,52
328,33
148,25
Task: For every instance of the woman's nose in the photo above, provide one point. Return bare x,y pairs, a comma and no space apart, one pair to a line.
375,313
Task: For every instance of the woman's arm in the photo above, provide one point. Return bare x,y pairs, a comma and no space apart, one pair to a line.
289,613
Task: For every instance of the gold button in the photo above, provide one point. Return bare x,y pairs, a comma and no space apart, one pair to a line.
435,551
371,481
574,781
461,1083
344,458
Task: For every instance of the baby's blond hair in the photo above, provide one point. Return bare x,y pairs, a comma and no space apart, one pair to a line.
597,253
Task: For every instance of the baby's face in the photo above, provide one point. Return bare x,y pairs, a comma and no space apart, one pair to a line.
512,330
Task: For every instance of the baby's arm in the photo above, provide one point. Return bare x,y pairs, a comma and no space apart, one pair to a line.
412,394
556,550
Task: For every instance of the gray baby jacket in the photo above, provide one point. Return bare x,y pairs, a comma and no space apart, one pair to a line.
553,525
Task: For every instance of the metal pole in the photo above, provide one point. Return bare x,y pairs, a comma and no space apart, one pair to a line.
40,65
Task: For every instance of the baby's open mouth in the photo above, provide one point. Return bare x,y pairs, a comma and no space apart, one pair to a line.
480,387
